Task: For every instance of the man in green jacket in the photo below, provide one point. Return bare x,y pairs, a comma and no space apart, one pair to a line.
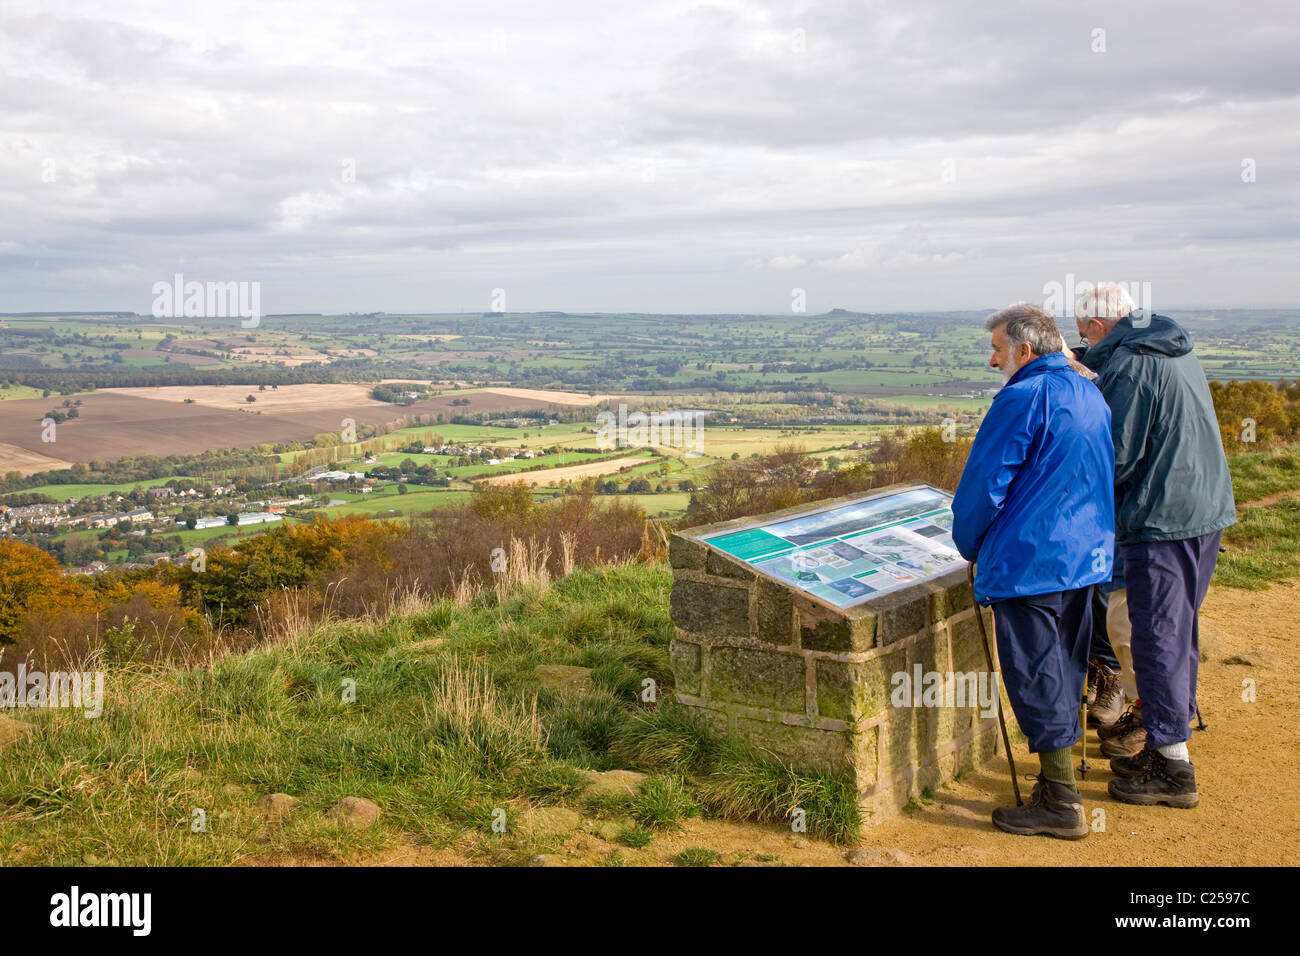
1173,498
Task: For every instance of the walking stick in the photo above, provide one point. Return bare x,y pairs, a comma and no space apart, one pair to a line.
1083,722
988,656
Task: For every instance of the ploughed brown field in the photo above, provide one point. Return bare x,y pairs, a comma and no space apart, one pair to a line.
286,398
551,476
562,398
13,458
119,422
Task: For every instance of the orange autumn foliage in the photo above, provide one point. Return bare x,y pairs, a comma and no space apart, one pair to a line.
31,584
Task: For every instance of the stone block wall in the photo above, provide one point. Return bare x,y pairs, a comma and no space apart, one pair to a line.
811,683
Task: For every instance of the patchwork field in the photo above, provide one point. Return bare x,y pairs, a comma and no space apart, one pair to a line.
117,422
167,357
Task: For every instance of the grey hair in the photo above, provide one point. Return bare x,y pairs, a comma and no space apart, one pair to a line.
1027,324
1106,301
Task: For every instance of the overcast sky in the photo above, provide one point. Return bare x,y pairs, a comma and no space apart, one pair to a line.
648,156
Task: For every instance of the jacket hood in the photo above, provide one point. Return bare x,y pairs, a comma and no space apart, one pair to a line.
1154,334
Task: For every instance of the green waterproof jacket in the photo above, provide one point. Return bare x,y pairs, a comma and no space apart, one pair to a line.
1171,476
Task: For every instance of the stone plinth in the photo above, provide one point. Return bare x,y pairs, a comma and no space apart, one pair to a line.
811,683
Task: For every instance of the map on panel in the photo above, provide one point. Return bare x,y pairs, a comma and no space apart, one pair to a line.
856,551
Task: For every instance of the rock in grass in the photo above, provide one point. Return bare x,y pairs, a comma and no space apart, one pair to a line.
877,856
545,859
608,830
549,823
563,678
276,805
12,731
613,783
354,812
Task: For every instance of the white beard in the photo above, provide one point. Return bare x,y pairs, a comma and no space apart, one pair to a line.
1008,372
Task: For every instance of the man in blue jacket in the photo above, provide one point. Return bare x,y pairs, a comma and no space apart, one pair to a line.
1035,510
1173,498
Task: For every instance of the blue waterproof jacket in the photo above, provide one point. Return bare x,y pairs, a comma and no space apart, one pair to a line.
1035,507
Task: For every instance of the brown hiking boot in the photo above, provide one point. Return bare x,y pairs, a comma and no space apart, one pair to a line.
1126,745
1090,686
1053,810
1129,720
1109,703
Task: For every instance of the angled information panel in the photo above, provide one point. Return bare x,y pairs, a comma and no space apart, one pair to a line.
853,552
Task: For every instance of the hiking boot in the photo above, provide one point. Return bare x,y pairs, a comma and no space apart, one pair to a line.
1171,782
1125,746
1128,720
1090,686
1133,766
1053,810
1108,705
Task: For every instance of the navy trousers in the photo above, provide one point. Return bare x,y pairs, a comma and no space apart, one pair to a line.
1043,643
1101,651
1167,581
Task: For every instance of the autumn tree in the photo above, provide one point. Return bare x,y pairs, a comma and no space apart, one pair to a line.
752,486
31,584
1254,415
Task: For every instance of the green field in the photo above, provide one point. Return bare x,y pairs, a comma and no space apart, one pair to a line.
384,504
64,492
16,392
509,438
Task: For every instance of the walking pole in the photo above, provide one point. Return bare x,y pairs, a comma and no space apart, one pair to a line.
988,656
1083,722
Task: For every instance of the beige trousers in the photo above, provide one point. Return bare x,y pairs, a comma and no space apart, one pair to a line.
1120,632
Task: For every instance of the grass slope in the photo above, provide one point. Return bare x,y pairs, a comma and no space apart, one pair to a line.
448,727
1264,545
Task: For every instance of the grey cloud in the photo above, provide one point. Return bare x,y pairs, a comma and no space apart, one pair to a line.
676,157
